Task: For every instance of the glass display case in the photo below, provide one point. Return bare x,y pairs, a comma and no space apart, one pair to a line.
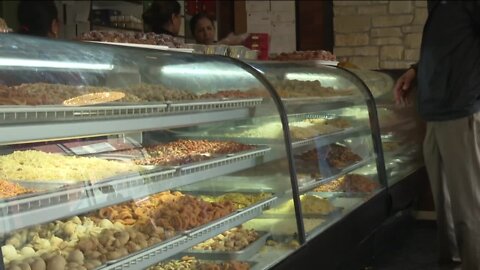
130,158
402,130
335,138
101,165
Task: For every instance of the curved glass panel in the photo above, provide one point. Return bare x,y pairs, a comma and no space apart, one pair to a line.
335,160
122,157
402,130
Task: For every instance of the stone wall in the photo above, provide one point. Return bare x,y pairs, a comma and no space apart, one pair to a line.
379,34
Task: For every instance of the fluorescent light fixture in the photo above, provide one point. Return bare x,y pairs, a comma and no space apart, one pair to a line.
186,70
310,77
15,62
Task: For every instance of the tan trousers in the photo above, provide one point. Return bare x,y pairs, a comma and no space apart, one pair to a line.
452,157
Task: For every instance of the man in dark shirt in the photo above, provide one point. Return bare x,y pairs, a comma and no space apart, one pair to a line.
448,84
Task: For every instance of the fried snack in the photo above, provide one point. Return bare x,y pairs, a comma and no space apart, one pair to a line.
188,151
340,157
359,183
232,94
8,189
305,55
189,212
165,213
299,89
57,94
240,200
234,239
349,183
31,165
94,98
311,205
158,92
191,263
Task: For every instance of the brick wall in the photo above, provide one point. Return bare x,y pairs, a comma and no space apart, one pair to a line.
379,34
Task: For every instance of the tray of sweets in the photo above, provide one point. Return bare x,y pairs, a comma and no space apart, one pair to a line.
240,255
190,262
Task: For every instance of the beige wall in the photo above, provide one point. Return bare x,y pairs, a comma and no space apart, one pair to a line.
379,34
277,18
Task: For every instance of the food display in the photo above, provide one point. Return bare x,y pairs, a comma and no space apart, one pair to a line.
390,146
234,239
59,238
132,37
61,94
311,205
166,212
187,151
9,189
350,183
339,156
234,94
191,263
37,166
158,92
335,156
298,130
240,200
305,55
298,89
282,225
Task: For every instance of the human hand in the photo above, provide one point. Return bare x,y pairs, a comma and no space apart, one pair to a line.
404,86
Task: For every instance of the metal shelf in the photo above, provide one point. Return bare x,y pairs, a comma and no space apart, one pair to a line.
315,104
165,250
32,210
315,183
65,122
332,137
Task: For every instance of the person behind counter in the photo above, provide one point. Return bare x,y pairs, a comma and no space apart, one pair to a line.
38,18
203,29
163,17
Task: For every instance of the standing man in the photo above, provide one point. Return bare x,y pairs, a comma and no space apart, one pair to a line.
448,83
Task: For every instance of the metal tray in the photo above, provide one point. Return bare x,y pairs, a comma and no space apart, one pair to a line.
226,160
47,185
240,255
303,100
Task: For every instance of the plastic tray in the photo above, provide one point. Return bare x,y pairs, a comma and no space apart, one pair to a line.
240,255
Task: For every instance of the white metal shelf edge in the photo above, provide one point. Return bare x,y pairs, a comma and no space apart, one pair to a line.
34,132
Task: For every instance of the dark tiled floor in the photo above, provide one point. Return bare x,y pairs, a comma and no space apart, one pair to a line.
413,248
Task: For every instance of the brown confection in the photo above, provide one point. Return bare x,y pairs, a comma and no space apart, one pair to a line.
188,151
340,157
306,55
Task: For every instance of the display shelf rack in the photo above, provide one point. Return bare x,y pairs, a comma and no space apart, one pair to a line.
332,137
165,250
18,213
65,122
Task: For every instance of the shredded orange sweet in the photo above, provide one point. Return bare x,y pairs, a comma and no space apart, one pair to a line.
8,189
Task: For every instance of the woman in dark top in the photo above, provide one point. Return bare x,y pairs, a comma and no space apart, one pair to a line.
38,18
163,17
